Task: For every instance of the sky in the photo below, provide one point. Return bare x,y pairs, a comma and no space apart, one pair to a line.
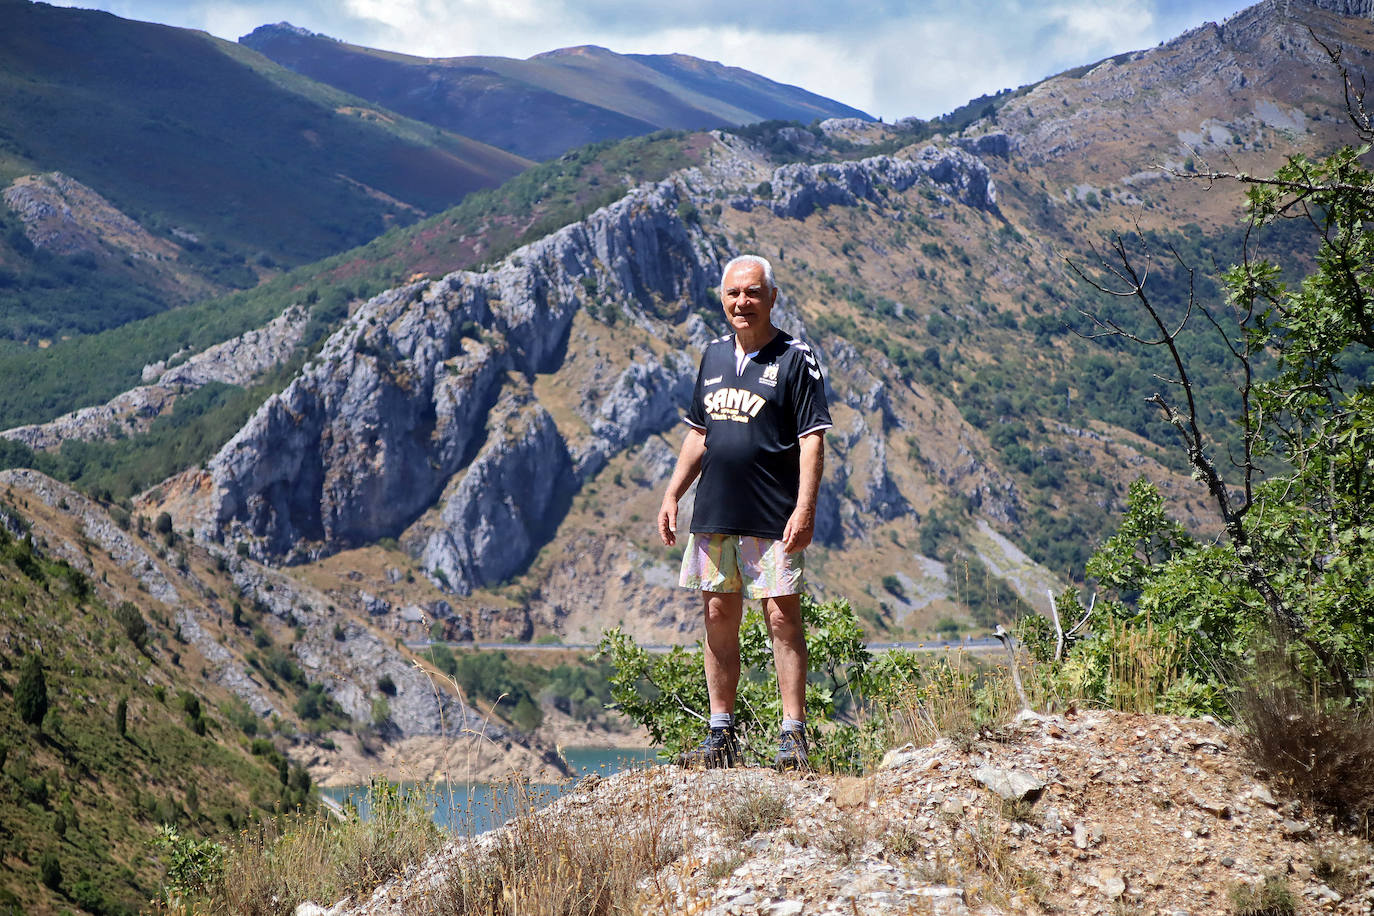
889,58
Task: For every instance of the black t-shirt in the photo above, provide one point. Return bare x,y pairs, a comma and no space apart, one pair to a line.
752,420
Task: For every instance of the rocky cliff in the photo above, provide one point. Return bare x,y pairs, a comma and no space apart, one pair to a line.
238,361
368,436
422,402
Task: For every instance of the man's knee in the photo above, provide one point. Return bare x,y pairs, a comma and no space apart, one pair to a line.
723,611
784,616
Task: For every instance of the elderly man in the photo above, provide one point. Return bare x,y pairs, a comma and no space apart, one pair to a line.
758,419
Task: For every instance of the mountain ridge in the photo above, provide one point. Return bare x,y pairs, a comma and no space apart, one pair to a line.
236,166
573,95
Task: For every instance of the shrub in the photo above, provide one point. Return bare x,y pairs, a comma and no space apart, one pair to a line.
31,692
194,867
50,870
1322,750
666,693
135,627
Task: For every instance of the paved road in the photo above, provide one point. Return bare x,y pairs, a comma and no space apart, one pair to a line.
980,644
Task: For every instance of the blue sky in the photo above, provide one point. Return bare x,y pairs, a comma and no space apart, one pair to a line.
886,57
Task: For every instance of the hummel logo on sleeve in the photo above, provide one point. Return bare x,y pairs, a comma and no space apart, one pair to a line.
813,367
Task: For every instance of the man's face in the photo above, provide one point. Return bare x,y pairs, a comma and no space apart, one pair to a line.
747,299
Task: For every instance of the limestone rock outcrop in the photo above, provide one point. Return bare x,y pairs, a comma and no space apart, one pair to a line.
373,431
799,189
66,217
237,361
503,504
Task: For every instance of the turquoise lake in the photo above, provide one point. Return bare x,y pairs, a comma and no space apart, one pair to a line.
465,808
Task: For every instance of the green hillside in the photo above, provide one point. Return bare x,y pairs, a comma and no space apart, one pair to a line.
130,738
241,164
89,370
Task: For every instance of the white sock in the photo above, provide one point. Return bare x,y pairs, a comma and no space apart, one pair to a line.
722,720
793,725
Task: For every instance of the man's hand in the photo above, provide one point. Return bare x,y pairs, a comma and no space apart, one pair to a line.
800,526
667,521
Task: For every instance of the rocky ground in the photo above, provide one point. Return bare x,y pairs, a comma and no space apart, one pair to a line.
1086,812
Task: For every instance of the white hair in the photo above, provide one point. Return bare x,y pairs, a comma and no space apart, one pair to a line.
749,259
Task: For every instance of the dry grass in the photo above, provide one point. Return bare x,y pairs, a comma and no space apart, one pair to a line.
757,811
1323,751
1272,897
1143,664
723,868
981,848
955,700
1343,866
545,865
282,862
901,842
846,839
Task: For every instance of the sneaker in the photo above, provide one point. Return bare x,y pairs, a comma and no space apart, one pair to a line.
792,751
719,750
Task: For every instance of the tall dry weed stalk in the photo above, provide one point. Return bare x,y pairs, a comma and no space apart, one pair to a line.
954,699
281,862
988,867
1143,663
565,863
1322,749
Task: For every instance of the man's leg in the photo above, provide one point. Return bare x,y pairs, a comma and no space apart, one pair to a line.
789,653
723,613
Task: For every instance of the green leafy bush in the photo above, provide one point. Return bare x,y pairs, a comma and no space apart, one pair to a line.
31,692
1292,580
194,867
666,692
135,627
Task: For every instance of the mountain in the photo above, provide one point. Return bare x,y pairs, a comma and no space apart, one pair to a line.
511,428
541,107
171,165
186,686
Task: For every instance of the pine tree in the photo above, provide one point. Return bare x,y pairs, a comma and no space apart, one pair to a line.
122,716
31,693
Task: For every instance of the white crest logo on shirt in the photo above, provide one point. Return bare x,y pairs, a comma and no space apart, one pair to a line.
770,374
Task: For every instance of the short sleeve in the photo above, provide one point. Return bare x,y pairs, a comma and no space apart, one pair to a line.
696,411
812,413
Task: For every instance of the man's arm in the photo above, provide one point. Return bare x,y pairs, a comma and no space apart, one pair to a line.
688,467
802,524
